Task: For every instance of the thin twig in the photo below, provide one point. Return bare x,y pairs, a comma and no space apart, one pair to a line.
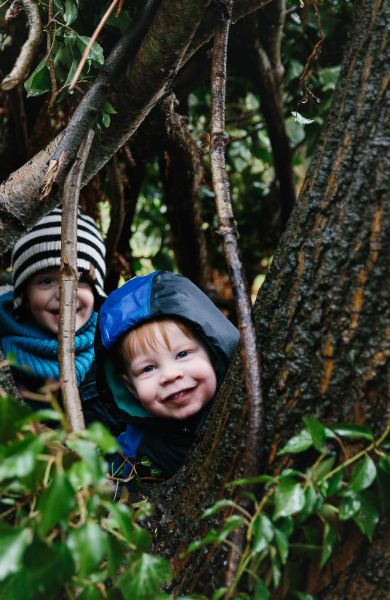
23,62
68,288
91,42
249,352
50,61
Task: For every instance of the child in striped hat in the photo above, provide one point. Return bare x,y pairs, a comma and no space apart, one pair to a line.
29,314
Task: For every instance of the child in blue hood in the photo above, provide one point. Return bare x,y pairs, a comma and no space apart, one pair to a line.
166,347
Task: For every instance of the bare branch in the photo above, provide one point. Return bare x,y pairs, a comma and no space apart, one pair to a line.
27,53
118,212
228,231
68,289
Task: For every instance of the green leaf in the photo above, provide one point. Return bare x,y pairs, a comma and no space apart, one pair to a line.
328,77
281,544
12,416
303,596
116,551
121,519
216,507
19,458
106,120
384,483
102,438
70,11
39,81
88,545
91,469
211,537
56,502
349,506
353,431
48,568
312,502
251,480
363,474
329,540
298,443
289,498
317,432
323,468
96,53
368,516
331,486
261,590
233,522
13,543
144,578
263,533
218,594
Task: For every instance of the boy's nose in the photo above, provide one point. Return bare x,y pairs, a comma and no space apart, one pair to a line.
170,373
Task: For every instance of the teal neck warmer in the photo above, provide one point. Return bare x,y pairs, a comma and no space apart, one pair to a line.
36,349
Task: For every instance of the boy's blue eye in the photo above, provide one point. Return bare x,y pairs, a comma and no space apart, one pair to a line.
148,369
183,354
47,281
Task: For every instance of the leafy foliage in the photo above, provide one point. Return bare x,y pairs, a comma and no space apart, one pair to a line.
60,530
300,515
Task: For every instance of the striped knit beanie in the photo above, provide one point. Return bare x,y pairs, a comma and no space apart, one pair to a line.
40,249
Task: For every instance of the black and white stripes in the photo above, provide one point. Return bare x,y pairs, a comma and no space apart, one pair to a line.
40,249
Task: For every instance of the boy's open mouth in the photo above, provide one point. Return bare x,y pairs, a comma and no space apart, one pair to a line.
177,395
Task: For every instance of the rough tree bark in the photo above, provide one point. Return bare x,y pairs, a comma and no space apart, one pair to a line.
323,321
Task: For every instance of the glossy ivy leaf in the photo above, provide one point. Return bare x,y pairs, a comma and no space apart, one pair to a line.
298,443
384,482
121,519
217,506
368,516
70,13
317,432
353,431
349,506
116,550
250,480
313,501
13,543
263,533
39,81
323,468
91,469
56,502
143,579
96,53
363,474
45,414
331,486
12,416
211,537
102,438
289,498
328,543
281,544
88,545
275,568
233,522
19,458
219,593
48,567
261,591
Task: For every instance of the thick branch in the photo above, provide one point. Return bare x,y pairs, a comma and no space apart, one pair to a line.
29,48
159,55
68,289
93,101
20,206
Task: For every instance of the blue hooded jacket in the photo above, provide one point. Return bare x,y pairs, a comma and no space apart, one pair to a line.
160,294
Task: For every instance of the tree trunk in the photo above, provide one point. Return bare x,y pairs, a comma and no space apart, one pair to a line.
323,321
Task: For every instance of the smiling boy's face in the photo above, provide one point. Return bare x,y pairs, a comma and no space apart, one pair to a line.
43,300
173,378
